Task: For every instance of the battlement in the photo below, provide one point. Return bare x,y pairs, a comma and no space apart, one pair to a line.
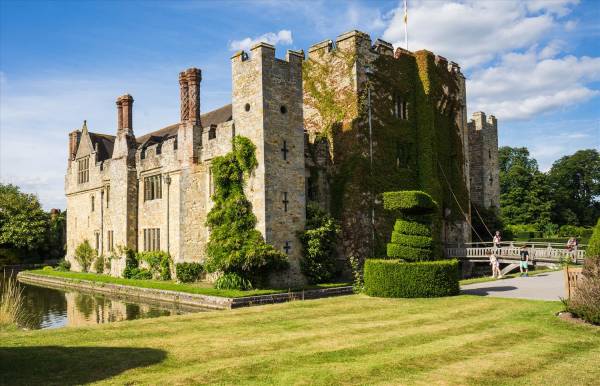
479,121
216,140
267,51
360,42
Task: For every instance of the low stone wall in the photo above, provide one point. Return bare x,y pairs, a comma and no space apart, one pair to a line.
195,300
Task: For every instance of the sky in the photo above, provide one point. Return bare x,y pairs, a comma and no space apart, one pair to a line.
533,64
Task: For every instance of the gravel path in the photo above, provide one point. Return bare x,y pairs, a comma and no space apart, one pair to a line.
545,286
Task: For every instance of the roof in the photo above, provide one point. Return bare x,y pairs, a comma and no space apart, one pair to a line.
214,117
105,144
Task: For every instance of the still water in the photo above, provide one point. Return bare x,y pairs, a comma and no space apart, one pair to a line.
53,308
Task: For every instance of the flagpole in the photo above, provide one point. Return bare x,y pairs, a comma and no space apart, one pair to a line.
406,24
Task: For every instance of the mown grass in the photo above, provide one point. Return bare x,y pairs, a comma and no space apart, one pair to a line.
351,340
484,279
193,288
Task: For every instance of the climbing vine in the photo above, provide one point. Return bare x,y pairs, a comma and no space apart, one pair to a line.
235,246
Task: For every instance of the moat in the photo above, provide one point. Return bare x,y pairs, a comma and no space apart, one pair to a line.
54,308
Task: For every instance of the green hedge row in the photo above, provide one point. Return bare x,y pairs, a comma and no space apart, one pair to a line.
412,241
392,278
412,228
397,251
409,201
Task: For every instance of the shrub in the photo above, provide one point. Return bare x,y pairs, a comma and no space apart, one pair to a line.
47,268
357,267
393,278
159,263
404,252
63,265
318,245
84,255
188,272
412,228
233,281
99,264
137,273
235,245
586,301
409,201
412,241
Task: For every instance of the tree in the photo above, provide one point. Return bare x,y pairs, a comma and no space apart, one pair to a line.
524,195
23,222
575,183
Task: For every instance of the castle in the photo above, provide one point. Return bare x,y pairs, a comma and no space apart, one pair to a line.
338,128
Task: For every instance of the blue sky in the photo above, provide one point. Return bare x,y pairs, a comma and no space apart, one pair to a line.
534,64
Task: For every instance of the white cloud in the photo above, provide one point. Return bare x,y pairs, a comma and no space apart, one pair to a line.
283,37
522,85
475,32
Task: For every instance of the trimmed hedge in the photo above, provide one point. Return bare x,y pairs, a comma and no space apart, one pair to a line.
392,278
412,228
412,241
188,272
409,201
404,252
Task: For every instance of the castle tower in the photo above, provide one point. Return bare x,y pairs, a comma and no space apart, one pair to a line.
484,165
267,109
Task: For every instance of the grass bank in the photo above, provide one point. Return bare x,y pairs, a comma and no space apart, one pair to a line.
192,288
347,340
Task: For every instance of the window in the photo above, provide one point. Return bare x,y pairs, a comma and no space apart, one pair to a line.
152,239
212,132
97,234
211,183
247,107
83,170
400,107
110,241
93,203
283,109
153,187
107,195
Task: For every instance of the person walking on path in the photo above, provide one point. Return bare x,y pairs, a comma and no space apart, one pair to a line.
495,266
524,261
497,240
572,248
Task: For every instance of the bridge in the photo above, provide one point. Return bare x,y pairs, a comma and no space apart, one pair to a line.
544,254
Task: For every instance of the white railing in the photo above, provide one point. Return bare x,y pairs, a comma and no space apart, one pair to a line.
538,251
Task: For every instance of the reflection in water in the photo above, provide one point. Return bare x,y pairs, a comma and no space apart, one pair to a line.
52,308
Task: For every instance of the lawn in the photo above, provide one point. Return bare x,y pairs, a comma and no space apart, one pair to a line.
201,288
345,340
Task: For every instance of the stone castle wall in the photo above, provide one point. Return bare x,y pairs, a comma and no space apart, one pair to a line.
484,168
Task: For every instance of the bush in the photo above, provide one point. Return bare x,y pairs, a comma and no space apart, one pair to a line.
404,252
84,255
188,272
233,281
47,268
318,245
63,265
393,278
235,245
412,228
412,241
409,201
137,273
99,264
586,301
159,263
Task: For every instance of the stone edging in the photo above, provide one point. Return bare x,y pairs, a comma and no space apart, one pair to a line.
197,300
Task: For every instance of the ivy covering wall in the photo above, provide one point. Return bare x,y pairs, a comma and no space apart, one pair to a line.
408,153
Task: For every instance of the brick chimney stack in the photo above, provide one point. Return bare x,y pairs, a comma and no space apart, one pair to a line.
74,137
189,87
119,114
127,117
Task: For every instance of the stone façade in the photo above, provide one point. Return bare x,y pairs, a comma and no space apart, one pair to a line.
302,155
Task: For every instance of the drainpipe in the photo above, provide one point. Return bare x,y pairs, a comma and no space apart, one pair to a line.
368,72
101,223
168,182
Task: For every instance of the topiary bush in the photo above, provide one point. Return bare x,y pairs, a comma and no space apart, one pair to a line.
396,279
159,263
188,272
412,268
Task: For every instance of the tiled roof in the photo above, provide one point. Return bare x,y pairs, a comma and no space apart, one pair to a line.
220,115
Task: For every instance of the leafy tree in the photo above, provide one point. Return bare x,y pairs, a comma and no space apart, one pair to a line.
23,222
235,246
575,183
524,194
85,254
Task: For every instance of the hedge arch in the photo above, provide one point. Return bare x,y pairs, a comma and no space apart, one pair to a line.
412,268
